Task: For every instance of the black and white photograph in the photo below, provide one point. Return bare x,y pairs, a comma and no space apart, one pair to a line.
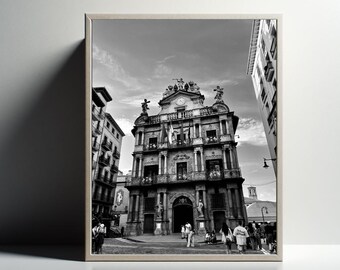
184,137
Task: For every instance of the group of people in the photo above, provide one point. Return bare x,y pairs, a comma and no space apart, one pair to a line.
98,234
261,233
210,237
250,236
246,237
188,234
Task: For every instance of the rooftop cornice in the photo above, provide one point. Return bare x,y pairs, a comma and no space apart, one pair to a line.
253,46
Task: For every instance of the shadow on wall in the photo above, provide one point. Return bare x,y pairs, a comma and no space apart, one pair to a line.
42,165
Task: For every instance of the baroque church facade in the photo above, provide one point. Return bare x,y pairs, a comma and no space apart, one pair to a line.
185,165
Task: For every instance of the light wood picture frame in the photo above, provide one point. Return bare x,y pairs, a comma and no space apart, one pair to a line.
177,132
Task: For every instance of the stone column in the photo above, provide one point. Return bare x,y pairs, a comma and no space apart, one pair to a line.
202,162
133,167
230,203
136,208
221,128
195,160
205,203
238,203
227,126
236,158
158,197
166,163
231,158
165,206
224,159
140,167
130,208
200,130
159,163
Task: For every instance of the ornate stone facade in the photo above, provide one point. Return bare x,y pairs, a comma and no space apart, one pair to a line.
185,158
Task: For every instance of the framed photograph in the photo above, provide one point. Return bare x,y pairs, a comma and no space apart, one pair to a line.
183,141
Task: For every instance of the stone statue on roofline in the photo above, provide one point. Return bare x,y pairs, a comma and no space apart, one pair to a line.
145,106
219,94
180,83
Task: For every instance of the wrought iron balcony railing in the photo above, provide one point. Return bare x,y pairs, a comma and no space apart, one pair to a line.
104,161
116,154
107,145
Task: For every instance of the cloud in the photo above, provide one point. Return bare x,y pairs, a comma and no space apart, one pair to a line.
166,59
138,99
162,70
126,125
251,132
115,70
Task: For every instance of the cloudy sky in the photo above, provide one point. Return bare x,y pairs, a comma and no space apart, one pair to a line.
137,59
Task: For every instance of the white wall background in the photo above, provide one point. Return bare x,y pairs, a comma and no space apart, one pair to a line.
42,113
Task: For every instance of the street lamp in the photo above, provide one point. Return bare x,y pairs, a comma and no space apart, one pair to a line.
265,165
264,207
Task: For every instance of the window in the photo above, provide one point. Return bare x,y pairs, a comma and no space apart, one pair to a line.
263,94
263,45
179,141
152,143
140,135
214,169
258,70
197,130
211,136
113,131
107,124
117,136
182,171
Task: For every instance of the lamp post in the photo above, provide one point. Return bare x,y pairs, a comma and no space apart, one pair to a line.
264,207
265,165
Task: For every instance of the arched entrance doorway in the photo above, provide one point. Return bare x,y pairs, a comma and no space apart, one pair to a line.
182,213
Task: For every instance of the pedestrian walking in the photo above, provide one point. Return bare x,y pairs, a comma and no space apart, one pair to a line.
258,237
251,232
269,230
101,232
94,238
183,231
191,239
227,237
187,229
241,235
122,231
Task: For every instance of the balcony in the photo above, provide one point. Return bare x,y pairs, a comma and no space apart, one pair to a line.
212,140
151,147
232,173
107,145
269,71
197,141
96,130
95,146
272,118
183,178
225,138
104,161
116,154
148,180
114,168
97,114
214,175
